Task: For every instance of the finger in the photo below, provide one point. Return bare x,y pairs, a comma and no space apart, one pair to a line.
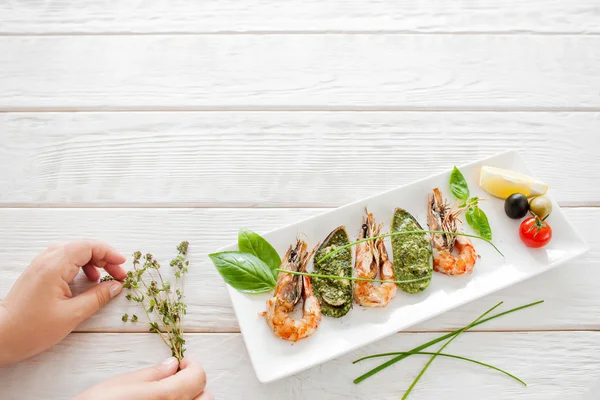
91,272
87,303
151,374
189,382
205,396
116,271
78,253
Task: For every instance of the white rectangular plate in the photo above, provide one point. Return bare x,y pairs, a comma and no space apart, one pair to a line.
274,358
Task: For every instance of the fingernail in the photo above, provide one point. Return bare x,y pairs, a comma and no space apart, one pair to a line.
115,288
169,361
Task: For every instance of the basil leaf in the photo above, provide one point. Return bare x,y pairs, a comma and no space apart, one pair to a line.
458,185
470,218
477,219
485,230
244,272
253,243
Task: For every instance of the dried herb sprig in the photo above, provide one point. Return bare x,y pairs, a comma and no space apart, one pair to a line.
163,302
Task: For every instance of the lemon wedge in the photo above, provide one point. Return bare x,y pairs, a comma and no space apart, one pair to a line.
502,183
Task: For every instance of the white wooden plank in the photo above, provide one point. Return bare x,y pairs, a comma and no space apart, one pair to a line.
299,71
189,16
281,159
571,292
556,365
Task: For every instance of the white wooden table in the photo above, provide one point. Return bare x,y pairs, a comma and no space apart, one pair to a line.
144,123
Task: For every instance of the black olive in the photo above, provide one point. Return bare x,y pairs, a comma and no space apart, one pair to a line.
516,206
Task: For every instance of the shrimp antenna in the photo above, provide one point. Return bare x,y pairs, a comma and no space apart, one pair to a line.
307,239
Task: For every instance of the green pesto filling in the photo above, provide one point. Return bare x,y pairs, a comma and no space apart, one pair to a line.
335,295
412,253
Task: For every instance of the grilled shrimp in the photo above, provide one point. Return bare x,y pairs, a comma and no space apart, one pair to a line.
441,217
371,259
288,292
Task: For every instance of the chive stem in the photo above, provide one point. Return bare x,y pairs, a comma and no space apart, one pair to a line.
434,341
414,383
395,353
338,249
350,278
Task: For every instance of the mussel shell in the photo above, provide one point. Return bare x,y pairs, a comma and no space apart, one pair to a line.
413,256
335,295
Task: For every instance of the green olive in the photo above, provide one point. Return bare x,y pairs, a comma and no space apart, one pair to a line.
541,206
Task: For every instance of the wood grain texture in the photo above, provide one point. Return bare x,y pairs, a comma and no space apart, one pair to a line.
528,71
189,16
571,293
556,366
281,159
378,71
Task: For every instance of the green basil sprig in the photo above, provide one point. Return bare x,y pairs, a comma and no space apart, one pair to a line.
244,271
252,243
252,269
475,216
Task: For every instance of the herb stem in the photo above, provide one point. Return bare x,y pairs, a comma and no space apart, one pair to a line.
182,313
159,300
338,249
434,341
408,353
150,319
349,278
412,385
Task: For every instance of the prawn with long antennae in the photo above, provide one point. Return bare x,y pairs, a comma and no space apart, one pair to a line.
442,217
372,259
290,288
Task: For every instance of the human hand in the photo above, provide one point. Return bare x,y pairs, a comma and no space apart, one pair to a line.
40,309
155,383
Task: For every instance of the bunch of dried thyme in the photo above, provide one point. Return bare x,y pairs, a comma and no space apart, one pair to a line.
163,302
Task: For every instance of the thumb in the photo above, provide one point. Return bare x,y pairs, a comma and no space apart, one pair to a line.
90,301
151,374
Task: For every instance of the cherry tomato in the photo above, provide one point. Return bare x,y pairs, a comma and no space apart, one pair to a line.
535,232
